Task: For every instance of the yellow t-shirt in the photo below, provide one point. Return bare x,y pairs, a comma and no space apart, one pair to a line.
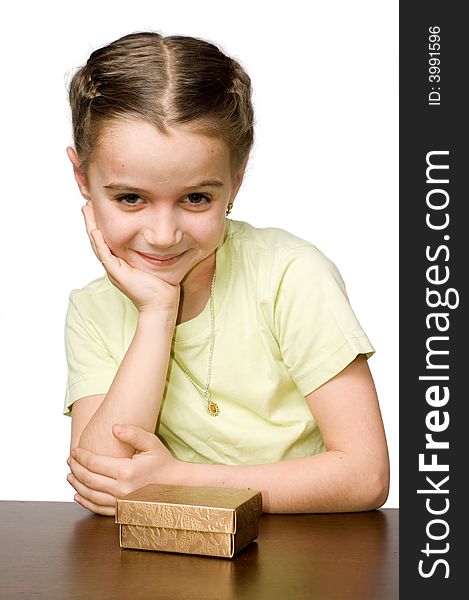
283,327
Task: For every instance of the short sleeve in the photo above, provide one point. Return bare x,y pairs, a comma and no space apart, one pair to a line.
90,367
317,330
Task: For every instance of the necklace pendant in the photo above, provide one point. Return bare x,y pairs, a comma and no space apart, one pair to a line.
212,408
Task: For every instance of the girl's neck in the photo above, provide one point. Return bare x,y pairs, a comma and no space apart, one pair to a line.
195,290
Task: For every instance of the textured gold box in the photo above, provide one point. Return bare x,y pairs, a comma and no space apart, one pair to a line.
189,519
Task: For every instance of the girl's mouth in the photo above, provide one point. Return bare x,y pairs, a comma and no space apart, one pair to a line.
162,262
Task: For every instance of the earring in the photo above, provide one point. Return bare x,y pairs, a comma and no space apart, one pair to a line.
228,210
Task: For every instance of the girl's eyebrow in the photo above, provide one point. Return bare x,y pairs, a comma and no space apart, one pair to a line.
121,185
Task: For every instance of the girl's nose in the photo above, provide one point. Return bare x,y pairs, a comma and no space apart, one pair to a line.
162,230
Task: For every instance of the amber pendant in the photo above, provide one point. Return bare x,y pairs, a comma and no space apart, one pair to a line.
212,408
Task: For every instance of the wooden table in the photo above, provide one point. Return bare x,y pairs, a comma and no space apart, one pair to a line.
58,550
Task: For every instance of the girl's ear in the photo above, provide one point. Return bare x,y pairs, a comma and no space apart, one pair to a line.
79,175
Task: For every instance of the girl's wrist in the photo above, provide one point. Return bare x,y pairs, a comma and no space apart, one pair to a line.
158,317
183,473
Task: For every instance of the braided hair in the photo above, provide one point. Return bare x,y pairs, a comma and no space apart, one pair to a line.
166,81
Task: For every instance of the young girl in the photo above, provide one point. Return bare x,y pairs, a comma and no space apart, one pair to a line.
211,352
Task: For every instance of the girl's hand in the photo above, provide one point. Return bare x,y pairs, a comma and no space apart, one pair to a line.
147,292
99,480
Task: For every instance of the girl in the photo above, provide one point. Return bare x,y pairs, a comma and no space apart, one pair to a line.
211,352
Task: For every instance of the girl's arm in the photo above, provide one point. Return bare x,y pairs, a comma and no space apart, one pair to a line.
136,392
352,475
137,389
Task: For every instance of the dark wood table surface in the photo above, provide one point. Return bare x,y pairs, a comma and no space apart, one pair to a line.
58,550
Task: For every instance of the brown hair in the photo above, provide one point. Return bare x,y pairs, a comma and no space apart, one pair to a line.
165,81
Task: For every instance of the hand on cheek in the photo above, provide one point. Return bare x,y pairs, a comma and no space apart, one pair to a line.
91,227
147,291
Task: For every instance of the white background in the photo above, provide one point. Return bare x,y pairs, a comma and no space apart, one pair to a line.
324,166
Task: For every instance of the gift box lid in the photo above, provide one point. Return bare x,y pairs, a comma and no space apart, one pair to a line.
224,510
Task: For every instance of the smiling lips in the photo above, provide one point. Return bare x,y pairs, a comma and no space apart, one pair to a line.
167,260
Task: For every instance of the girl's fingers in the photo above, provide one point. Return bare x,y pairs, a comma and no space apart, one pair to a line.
88,213
111,263
116,268
99,464
92,481
102,249
98,498
107,511
90,224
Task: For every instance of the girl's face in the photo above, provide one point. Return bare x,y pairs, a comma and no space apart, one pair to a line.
160,200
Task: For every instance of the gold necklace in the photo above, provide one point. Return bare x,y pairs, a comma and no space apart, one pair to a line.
212,407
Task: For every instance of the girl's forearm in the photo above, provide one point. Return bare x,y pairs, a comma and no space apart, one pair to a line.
137,390
328,482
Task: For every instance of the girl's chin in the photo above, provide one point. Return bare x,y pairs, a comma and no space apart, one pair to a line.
173,276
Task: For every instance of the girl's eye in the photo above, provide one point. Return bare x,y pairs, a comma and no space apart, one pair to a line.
197,199
194,199
128,199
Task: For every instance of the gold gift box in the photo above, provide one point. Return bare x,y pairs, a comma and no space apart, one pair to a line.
189,519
